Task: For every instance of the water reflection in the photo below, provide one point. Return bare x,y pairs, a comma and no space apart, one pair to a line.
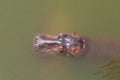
103,49
100,52
110,69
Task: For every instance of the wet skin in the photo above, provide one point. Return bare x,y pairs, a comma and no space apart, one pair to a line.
64,43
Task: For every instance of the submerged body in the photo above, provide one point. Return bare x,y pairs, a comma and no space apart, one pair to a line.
64,43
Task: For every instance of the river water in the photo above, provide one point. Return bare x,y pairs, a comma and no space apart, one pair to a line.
97,20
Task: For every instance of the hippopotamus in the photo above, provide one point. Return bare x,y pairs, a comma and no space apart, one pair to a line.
69,44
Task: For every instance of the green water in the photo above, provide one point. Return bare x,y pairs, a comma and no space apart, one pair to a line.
21,20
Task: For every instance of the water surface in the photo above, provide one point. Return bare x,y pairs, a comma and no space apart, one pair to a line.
21,20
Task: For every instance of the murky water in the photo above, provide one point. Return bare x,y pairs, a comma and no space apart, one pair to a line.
98,20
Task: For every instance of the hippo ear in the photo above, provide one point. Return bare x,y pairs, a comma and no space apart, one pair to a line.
83,42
